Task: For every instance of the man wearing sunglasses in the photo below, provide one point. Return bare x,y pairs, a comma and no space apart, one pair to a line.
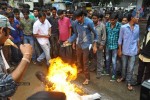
8,82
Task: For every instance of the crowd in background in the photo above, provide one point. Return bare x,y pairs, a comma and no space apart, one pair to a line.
73,35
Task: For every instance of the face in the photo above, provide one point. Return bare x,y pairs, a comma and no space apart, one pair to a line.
79,19
135,20
11,20
9,10
61,16
42,19
48,11
124,21
26,15
95,19
107,16
17,15
113,21
54,13
4,34
35,12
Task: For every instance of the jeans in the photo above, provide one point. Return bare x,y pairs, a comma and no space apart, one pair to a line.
111,55
128,67
99,61
29,39
45,54
83,61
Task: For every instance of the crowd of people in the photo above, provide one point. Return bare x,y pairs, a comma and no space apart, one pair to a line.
76,37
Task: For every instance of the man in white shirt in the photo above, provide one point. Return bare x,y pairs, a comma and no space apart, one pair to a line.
42,32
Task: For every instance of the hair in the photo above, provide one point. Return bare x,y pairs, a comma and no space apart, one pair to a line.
129,17
60,12
95,14
79,13
26,6
26,11
41,14
101,16
53,8
16,10
113,16
36,8
10,15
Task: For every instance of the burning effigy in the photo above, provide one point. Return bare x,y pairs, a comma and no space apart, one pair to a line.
59,77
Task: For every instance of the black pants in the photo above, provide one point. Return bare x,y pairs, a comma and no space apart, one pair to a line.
66,53
54,46
143,70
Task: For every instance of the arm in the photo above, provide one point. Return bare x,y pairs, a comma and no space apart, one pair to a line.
120,42
26,50
103,35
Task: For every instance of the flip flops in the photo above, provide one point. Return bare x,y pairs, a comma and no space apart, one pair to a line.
86,82
130,88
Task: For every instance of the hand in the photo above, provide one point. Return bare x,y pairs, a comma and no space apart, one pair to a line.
74,46
119,53
94,49
66,42
18,26
101,47
26,49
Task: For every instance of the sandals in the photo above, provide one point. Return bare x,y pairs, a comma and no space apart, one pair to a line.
86,82
120,80
130,88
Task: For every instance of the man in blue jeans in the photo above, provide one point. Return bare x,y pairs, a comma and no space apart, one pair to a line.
128,48
112,35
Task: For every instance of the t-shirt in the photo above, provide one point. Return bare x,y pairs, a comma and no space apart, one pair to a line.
41,29
63,26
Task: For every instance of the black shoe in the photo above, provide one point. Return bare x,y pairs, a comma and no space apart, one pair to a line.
136,84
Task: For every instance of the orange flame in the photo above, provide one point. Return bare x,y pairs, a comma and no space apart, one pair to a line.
60,74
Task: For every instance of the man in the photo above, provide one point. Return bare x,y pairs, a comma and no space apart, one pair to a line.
8,82
128,48
26,24
100,27
16,37
112,35
36,13
42,32
64,26
83,26
55,33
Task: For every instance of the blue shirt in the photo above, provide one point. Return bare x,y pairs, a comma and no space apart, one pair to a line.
129,39
112,35
17,33
82,32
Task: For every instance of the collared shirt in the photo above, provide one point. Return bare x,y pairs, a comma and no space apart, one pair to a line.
129,39
83,33
17,33
41,29
54,23
112,35
101,30
27,26
64,28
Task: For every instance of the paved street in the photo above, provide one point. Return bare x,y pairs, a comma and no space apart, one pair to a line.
108,90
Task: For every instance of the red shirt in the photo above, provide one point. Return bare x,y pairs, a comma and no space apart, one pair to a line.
64,28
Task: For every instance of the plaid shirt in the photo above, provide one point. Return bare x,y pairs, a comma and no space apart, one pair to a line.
7,84
112,35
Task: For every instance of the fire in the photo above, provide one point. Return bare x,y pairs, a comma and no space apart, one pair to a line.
61,74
